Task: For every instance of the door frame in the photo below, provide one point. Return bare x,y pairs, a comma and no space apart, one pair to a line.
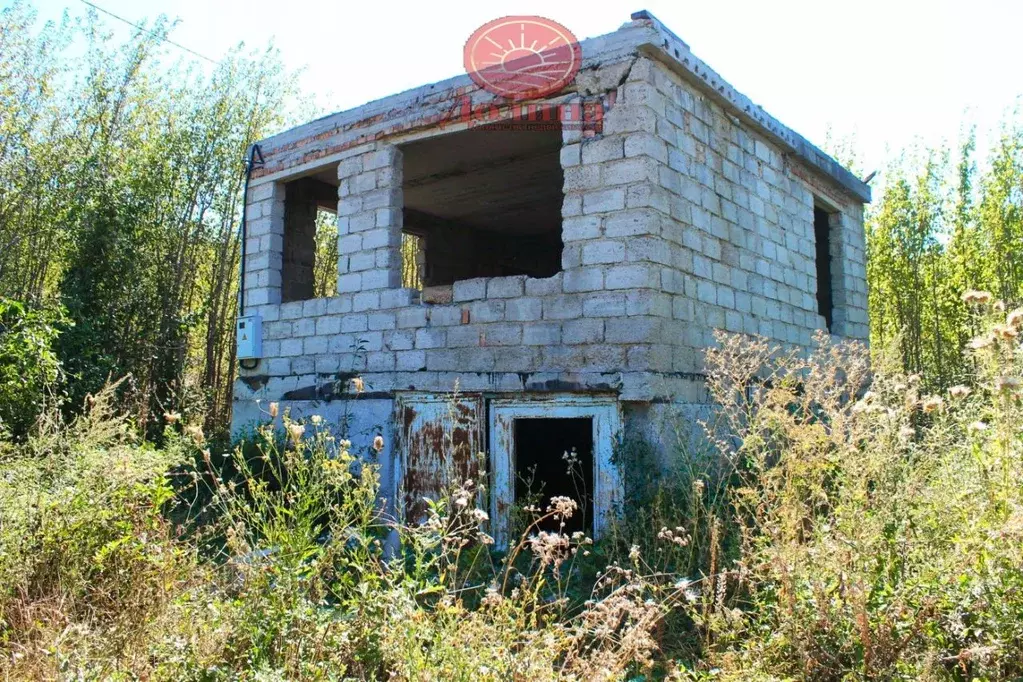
605,412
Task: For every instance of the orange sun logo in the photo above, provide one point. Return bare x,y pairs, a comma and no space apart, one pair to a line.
522,57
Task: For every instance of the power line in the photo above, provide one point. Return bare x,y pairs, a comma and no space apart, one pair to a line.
152,33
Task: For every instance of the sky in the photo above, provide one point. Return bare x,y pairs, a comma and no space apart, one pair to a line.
884,73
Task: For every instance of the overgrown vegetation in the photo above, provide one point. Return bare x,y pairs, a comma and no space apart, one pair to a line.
120,190
844,522
846,525
30,371
941,226
120,187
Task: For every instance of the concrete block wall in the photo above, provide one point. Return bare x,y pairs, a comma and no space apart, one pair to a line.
678,219
600,323
738,223
369,218
264,245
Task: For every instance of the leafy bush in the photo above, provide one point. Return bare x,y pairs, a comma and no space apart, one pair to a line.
882,529
29,368
85,553
290,570
841,524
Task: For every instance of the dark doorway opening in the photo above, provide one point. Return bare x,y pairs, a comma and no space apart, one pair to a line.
543,471
822,237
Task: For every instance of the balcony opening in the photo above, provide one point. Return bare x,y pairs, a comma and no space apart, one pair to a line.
822,236
309,258
554,458
485,202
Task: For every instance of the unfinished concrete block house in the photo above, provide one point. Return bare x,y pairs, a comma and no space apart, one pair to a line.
563,273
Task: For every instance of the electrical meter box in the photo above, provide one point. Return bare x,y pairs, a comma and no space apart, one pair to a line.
250,337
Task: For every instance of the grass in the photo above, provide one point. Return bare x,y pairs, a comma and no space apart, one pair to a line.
842,525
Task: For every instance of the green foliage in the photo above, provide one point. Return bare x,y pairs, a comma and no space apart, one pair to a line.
880,529
289,569
30,372
937,230
825,531
325,260
83,542
120,191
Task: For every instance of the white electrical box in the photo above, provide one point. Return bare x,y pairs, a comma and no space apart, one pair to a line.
250,337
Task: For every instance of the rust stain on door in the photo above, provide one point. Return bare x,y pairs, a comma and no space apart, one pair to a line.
441,445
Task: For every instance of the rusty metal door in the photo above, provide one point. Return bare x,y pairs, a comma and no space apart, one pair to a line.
441,444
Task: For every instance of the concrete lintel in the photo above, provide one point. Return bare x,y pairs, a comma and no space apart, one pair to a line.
596,51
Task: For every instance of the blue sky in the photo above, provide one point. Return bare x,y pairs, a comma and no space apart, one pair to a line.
888,72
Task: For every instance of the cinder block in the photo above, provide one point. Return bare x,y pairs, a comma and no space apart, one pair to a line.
523,309
444,316
570,155
380,237
547,286
303,365
430,338
541,334
603,201
638,276
645,144
411,317
632,222
380,361
580,227
327,364
469,289
599,252
564,307
397,298
410,361
598,150
278,367
582,331
380,279
381,320
291,347
486,311
315,345
304,327
328,325
361,261
583,279
604,305
505,287
349,283
633,330
648,302
626,171
366,300
464,335
581,178
520,359
354,323
503,334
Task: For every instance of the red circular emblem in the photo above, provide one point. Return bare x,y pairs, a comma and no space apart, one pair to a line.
522,57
